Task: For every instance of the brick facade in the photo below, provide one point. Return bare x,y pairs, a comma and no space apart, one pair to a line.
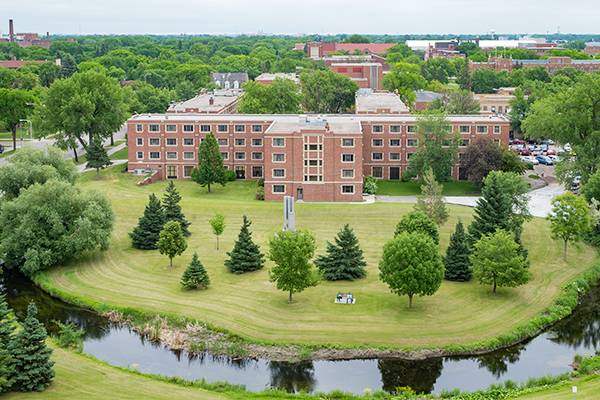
552,64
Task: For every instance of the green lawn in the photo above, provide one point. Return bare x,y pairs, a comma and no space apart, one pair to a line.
398,188
119,155
250,305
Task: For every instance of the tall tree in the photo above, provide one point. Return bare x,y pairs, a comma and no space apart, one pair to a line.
411,265
7,329
145,235
570,219
344,259
195,276
457,256
418,222
460,102
171,241
217,223
291,252
496,261
97,157
326,92
404,78
30,355
282,96
245,255
431,201
172,209
211,169
15,105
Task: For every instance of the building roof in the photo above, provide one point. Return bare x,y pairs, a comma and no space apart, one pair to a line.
298,123
230,76
281,75
13,64
356,64
427,96
593,44
376,48
221,99
369,102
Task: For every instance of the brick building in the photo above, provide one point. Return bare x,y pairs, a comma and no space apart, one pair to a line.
366,75
221,101
314,158
592,48
319,50
268,78
551,64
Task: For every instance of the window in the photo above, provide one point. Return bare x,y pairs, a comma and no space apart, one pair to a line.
256,128
313,147
395,128
222,128
139,155
464,142
394,156
154,142
188,142
279,173
171,155
257,171
225,155
347,189
482,129
240,155
347,173
204,128
154,155
240,142
256,142
139,128
171,172
377,172
140,141
278,188
377,128
313,163
411,129
376,156
257,155
394,142
278,142
464,129
240,128
409,155
278,157
496,128
412,142
347,142
187,171
223,142
188,155
188,128
347,157
171,142
377,142
313,178
171,128
153,128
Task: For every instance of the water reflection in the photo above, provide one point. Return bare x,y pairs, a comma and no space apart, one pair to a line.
549,353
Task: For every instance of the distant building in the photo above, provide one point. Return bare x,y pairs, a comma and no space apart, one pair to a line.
319,50
216,102
424,98
229,80
268,78
445,49
592,48
551,64
494,103
371,102
25,39
15,64
366,75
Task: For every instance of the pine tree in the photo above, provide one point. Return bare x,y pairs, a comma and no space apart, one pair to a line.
97,157
245,255
493,210
431,201
210,169
195,276
172,209
145,235
457,256
6,331
344,259
31,357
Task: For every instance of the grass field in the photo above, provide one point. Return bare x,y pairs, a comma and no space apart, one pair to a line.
398,188
119,155
250,305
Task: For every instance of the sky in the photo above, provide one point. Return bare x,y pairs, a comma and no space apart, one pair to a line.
300,16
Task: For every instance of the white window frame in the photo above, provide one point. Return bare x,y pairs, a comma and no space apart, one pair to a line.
192,169
396,145
408,140
376,127
235,156
202,126
139,141
235,128
348,146
223,145
344,193
395,159
172,152
190,131
278,184
411,129
243,140
257,145
378,140
139,128
497,130
150,140
137,155
170,145
184,140
380,168
154,158
169,126
259,153
460,129
396,132
277,169
347,154
378,159
153,125
278,145
347,177
485,130
275,161
226,154
193,153
260,128
226,128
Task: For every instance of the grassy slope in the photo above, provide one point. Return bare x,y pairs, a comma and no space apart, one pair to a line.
587,388
397,188
119,155
250,305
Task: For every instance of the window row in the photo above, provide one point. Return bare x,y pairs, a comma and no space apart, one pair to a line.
169,155
190,128
413,129
168,141
280,189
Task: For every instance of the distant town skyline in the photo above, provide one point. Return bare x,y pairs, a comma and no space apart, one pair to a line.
301,17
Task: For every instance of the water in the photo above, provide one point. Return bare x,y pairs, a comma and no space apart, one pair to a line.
550,353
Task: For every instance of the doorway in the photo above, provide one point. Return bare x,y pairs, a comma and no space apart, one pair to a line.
394,173
300,194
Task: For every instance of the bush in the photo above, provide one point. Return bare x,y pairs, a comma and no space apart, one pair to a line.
260,193
230,175
261,182
69,336
370,185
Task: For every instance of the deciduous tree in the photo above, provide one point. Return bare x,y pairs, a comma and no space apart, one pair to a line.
217,223
171,241
15,105
343,259
570,219
418,222
326,92
431,201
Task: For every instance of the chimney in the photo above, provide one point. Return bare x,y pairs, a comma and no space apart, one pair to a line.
211,101
11,30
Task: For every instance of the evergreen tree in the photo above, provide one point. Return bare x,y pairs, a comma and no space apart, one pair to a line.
6,331
97,157
171,241
195,276
172,209
210,169
493,210
431,201
245,255
31,357
344,259
145,235
457,256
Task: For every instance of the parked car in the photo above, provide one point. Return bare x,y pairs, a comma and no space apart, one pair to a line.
544,160
529,160
525,152
550,152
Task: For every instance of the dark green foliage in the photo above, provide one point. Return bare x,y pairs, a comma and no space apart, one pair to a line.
245,255
31,357
418,221
172,209
210,169
457,256
69,335
493,210
97,157
344,259
195,276
7,329
145,234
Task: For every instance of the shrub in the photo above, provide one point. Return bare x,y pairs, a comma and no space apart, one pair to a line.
370,185
230,175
